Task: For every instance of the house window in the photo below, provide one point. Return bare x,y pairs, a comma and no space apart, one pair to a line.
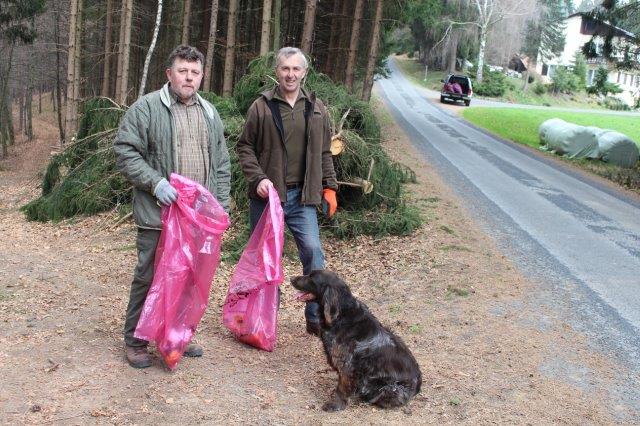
545,69
552,70
618,79
590,75
637,80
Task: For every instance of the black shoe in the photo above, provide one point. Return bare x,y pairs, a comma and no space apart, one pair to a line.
137,356
193,350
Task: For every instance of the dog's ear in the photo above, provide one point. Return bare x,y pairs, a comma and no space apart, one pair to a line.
331,302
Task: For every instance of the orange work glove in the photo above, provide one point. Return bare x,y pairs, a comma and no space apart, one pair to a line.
329,202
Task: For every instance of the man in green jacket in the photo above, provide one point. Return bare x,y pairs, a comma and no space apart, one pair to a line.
170,130
286,144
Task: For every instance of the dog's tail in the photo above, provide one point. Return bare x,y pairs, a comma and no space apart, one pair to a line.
392,395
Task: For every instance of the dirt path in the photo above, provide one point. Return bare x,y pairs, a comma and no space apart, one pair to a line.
460,306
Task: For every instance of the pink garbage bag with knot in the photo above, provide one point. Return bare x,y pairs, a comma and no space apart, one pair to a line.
250,310
186,259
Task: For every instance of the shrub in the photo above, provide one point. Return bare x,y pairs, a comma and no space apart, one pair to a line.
494,84
615,104
539,88
564,81
580,70
601,85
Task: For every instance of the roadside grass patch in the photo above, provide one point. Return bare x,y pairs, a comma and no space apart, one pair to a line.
447,229
521,125
456,291
454,402
415,328
414,71
395,309
454,247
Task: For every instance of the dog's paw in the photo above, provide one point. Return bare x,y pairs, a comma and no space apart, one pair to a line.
334,405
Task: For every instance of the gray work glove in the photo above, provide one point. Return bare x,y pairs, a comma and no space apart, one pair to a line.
165,193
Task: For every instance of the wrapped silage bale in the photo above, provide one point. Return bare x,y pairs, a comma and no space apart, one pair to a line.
568,139
616,148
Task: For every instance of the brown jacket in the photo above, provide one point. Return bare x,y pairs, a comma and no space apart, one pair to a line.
262,153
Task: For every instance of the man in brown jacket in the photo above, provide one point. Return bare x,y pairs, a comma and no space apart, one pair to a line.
286,144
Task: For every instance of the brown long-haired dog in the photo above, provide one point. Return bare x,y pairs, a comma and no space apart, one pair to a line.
371,361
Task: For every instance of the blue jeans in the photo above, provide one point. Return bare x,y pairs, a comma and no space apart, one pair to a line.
302,221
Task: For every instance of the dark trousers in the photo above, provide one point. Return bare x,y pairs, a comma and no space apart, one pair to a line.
146,243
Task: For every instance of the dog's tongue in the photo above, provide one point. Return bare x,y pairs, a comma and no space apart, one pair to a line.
305,297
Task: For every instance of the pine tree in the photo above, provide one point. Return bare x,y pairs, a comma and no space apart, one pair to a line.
552,26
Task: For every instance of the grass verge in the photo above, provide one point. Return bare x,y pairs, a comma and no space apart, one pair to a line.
521,125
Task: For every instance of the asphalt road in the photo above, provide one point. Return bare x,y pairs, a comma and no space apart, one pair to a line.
574,235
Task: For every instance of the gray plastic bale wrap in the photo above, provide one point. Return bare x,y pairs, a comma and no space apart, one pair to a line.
568,139
616,148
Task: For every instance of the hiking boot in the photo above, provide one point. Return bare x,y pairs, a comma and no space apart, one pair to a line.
137,356
193,350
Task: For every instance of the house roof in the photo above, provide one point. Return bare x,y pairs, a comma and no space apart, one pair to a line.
602,28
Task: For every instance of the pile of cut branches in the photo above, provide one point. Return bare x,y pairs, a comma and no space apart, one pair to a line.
83,178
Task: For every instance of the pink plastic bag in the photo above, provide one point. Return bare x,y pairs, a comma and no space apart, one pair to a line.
250,311
186,259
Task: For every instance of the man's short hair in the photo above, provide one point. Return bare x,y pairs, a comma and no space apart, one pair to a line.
287,52
187,53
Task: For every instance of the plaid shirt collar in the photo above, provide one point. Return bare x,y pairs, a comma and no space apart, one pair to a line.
174,98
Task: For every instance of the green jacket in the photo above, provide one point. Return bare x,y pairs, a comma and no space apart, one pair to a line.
146,152
262,153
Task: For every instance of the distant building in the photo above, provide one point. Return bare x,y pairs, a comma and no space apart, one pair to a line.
579,30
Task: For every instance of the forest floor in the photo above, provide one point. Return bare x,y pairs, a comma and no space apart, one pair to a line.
464,310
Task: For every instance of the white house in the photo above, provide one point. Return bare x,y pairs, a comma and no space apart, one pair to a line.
579,30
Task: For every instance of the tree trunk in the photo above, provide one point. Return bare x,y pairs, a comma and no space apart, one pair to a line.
147,60
481,49
353,45
341,53
6,123
453,51
266,30
21,103
123,24
185,21
56,31
373,52
211,46
126,50
334,39
71,107
78,65
309,24
230,56
525,86
277,14
40,100
28,104
106,71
